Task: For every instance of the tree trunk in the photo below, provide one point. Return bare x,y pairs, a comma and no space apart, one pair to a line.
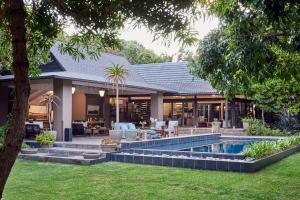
117,104
14,138
226,113
262,115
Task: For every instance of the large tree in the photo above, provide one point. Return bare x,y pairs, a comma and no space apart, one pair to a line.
27,32
257,41
136,53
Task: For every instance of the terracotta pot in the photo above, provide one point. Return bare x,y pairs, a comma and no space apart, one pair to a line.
109,147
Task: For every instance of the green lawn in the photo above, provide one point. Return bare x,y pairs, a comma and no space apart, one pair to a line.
38,181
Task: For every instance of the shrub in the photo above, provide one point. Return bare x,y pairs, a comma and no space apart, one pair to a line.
25,146
247,120
262,149
45,138
257,127
3,131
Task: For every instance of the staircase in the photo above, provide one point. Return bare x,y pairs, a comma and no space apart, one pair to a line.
68,153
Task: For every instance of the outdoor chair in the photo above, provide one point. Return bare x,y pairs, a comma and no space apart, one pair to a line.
172,128
159,125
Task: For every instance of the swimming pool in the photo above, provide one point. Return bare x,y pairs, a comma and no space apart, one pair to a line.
224,146
206,151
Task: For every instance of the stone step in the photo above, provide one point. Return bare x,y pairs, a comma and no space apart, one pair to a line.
77,145
67,151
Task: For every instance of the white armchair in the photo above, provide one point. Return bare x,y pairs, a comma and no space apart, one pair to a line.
172,127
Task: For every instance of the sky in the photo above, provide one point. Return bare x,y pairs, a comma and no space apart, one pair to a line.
143,36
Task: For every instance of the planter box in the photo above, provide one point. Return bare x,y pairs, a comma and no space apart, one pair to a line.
46,145
256,165
109,147
29,151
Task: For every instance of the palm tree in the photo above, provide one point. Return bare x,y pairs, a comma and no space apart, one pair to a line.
50,99
116,74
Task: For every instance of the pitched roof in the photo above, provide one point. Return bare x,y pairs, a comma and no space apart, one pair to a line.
164,77
174,75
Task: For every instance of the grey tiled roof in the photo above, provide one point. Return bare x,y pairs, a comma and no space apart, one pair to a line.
174,75
164,77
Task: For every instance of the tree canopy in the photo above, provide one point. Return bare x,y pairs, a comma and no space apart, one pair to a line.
136,53
257,41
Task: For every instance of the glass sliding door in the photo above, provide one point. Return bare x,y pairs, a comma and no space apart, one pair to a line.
188,114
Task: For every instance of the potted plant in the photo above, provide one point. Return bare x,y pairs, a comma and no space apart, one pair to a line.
50,99
246,121
143,123
116,74
45,139
26,149
140,134
109,145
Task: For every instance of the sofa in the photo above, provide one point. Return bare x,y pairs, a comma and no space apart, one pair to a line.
78,129
122,129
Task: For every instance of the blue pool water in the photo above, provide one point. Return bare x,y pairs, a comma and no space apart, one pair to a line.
229,146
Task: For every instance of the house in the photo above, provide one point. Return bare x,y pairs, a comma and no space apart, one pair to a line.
162,91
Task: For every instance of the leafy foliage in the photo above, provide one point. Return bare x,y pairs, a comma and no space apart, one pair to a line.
275,95
97,24
138,54
262,149
45,138
3,131
211,64
256,41
258,128
116,74
25,146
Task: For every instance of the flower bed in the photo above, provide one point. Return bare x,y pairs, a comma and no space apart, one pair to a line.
265,148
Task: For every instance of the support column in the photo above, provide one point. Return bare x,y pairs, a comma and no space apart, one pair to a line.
233,112
222,111
195,108
3,103
157,107
209,113
106,109
62,113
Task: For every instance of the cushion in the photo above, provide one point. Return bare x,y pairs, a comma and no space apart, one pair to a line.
131,126
123,127
173,123
159,124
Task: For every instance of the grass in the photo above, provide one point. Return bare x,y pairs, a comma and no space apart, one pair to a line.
112,180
